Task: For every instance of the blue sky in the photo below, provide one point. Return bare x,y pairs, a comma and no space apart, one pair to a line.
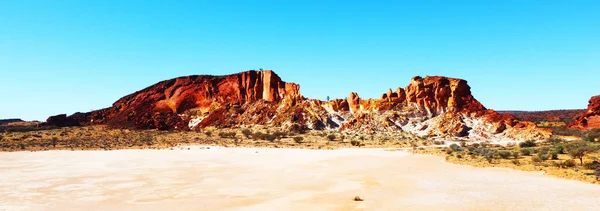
67,56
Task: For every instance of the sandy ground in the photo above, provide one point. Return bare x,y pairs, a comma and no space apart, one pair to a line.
273,179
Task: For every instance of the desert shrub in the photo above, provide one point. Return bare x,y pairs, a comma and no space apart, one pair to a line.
459,156
208,133
247,133
543,157
448,151
516,162
544,150
471,149
516,154
578,149
592,135
270,137
559,148
554,155
227,134
54,141
568,164
563,131
298,139
592,166
525,144
455,147
476,145
278,134
526,151
463,144
259,136
536,159
554,140
488,154
504,154
355,143
331,137
439,142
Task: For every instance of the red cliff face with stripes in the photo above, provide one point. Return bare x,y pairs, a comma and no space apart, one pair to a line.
430,106
164,105
590,119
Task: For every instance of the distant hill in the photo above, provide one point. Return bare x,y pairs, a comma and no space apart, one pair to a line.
565,116
6,121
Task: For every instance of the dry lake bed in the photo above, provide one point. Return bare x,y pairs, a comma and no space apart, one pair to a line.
273,179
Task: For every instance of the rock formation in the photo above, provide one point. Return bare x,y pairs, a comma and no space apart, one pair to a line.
62,120
432,106
590,119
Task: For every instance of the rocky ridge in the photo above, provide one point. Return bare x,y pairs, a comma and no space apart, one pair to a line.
431,106
589,119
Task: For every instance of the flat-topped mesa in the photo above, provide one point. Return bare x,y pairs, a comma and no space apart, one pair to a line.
590,119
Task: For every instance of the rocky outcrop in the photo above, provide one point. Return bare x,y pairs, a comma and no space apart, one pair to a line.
62,120
590,119
161,106
431,106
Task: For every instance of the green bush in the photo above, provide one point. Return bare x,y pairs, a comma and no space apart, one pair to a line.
543,157
516,154
455,147
554,155
592,166
530,143
504,154
526,151
559,148
568,164
331,137
536,159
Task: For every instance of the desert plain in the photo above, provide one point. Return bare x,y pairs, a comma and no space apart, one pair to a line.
221,178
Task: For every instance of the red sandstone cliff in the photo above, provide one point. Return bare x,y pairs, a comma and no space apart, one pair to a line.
589,119
433,106
159,106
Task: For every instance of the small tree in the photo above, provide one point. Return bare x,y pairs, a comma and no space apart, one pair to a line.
530,143
578,149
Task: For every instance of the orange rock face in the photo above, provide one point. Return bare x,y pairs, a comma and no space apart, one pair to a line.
158,106
590,119
434,106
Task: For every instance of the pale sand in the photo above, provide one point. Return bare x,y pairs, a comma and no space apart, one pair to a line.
273,179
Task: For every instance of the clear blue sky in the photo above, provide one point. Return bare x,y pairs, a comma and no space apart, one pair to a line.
67,56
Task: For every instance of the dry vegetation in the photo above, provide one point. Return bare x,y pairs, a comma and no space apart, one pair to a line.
35,138
566,159
578,160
